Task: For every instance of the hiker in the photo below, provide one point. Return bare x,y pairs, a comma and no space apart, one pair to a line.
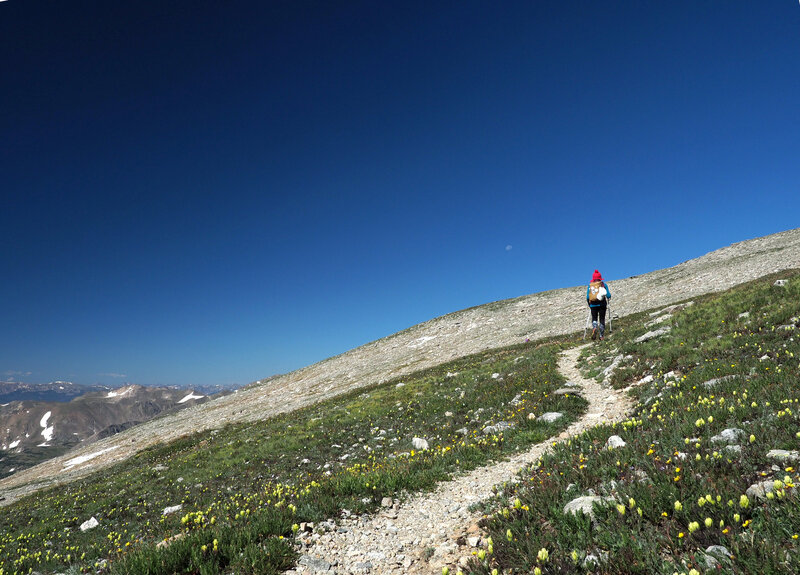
597,296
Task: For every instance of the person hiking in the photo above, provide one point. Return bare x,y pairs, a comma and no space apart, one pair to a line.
597,296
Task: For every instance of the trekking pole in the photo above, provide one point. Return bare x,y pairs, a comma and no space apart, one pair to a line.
588,323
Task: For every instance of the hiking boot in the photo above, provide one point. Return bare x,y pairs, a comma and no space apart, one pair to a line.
594,333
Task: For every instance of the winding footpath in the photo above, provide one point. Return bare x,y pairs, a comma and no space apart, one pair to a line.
431,530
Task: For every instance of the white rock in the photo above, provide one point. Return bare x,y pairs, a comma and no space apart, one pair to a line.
784,455
419,443
585,504
653,334
729,436
173,509
90,524
551,416
615,442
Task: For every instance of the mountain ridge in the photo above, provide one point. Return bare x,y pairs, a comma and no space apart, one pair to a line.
440,339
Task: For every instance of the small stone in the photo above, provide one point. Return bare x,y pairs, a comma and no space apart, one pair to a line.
419,443
386,502
781,283
314,563
615,442
531,416
462,431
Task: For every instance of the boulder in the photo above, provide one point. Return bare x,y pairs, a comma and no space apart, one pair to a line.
653,334
567,391
615,442
713,382
784,455
89,524
759,490
419,443
729,436
497,428
172,509
551,416
585,505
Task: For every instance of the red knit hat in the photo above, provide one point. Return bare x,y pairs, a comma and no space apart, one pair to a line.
596,277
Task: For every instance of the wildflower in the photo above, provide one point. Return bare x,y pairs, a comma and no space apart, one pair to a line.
752,438
574,554
537,571
482,554
708,522
621,509
445,570
509,535
543,555
736,517
744,502
693,526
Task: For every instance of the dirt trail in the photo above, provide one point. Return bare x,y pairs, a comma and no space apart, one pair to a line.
397,539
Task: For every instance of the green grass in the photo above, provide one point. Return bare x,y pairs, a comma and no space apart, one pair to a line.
245,485
675,491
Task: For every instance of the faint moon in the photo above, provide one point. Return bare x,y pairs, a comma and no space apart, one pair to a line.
509,247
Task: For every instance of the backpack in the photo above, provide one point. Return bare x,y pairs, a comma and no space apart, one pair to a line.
597,292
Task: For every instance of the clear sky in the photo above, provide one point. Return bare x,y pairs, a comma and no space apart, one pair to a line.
215,192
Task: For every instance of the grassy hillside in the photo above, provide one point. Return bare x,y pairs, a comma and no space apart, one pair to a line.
674,490
243,487
678,499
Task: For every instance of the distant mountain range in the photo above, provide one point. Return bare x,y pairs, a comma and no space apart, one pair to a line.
40,421
67,391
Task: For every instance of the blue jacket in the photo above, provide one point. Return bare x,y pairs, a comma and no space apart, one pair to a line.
602,303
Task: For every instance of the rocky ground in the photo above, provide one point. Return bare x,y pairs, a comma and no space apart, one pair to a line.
436,529
427,344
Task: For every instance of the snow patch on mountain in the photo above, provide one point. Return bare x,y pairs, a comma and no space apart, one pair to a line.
84,458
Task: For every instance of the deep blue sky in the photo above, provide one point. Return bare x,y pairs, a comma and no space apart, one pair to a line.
214,192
